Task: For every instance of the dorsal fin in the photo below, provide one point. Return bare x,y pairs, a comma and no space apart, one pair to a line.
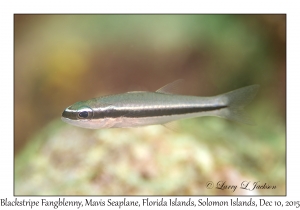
172,88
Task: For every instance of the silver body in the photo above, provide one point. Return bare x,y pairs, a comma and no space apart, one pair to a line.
134,109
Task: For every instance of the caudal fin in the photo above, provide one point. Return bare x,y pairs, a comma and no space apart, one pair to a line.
236,101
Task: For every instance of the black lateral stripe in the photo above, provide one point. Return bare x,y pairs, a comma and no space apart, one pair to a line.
113,113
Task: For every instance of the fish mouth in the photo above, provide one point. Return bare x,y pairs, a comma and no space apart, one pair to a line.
68,114
64,114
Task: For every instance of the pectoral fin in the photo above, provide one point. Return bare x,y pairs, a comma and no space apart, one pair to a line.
172,126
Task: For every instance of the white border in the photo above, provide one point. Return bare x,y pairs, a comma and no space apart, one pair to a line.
293,68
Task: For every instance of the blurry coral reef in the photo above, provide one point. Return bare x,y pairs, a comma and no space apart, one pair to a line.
61,59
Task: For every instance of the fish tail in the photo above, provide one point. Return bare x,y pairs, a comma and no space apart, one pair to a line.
236,100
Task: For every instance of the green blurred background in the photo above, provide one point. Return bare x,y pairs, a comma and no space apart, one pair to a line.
61,59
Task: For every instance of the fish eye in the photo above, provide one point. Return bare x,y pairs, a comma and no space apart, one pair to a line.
84,113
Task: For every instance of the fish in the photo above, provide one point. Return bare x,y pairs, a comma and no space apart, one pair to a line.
162,107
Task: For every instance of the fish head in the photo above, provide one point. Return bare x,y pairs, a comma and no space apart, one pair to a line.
87,114
78,112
